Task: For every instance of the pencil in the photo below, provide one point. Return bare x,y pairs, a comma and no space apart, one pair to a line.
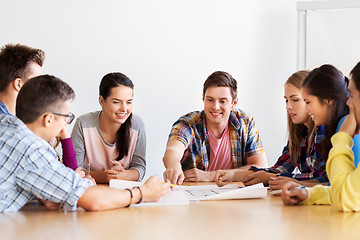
280,191
171,185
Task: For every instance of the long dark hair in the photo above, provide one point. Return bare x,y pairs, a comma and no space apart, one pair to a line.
328,83
108,82
355,75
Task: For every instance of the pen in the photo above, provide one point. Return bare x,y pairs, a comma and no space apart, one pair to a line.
171,185
280,191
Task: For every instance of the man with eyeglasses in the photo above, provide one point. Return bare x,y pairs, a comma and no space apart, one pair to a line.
29,166
69,118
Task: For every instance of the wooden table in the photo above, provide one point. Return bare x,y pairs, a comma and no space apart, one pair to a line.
264,218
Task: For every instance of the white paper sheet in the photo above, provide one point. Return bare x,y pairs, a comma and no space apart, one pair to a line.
183,194
231,191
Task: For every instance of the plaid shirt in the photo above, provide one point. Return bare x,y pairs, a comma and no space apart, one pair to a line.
3,109
191,130
29,167
305,162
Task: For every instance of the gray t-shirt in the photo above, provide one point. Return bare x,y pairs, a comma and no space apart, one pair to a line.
90,145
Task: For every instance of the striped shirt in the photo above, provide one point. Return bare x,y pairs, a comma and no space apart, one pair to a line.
29,167
191,130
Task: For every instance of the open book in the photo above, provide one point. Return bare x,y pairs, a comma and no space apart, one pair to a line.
181,195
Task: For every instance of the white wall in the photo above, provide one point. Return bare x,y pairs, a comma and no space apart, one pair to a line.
333,37
168,48
328,34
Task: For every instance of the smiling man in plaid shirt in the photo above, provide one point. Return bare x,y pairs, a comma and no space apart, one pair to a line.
219,137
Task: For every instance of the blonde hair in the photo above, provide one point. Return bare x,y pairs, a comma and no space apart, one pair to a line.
294,130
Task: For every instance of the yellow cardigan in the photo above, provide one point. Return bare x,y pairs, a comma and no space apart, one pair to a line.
344,191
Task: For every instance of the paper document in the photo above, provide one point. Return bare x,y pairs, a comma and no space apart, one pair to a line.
231,191
183,194
196,193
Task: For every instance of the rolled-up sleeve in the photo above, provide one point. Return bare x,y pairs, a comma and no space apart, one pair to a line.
50,180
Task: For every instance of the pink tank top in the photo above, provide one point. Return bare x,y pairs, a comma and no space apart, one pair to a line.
220,151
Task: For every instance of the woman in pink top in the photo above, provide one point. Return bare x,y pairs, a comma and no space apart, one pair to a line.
111,142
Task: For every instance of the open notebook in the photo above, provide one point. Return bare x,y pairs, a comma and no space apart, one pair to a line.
181,195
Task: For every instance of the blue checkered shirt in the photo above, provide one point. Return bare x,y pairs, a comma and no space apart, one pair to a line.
3,109
29,167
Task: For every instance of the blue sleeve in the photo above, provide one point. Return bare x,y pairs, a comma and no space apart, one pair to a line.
46,178
323,179
356,146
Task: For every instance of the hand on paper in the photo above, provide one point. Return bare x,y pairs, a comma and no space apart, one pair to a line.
276,183
174,174
350,124
258,177
223,177
291,196
197,175
153,189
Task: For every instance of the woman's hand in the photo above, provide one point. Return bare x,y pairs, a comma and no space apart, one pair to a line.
292,196
276,183
350,124
115,171
63,134
258,177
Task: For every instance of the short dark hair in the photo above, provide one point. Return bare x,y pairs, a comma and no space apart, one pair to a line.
355,75
41,94
221,79
108,82
14,62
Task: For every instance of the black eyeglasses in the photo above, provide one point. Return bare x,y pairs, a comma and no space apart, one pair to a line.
68,117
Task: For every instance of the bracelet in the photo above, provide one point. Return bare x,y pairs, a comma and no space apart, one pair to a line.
141,196
131,196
